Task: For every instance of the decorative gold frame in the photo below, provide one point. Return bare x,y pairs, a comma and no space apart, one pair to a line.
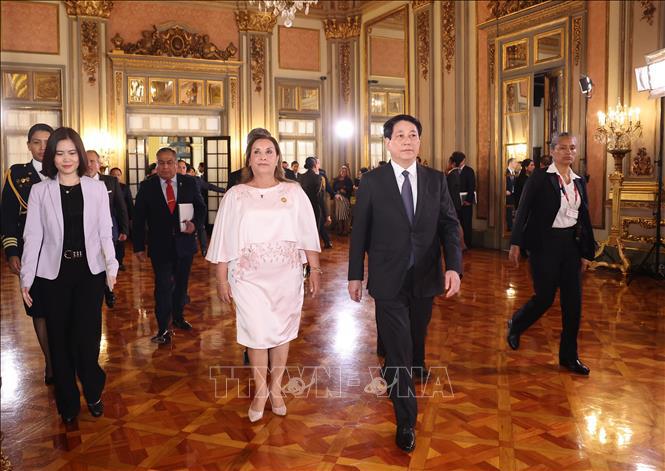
170,99
190,92
131,96
399,97
215,98
286,101
308,99
47,86
536,37
9,79
504,55
382,109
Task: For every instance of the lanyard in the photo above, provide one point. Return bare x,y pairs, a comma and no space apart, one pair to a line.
563,190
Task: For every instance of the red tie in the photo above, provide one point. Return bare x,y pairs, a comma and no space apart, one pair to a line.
170,196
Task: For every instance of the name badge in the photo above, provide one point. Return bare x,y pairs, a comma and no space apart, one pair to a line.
572,213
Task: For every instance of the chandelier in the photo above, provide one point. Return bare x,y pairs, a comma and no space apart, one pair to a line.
618,127
285,8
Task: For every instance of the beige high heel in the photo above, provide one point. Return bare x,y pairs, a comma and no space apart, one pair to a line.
281,410
254,416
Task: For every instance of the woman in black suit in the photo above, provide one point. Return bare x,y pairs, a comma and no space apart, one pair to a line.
561,246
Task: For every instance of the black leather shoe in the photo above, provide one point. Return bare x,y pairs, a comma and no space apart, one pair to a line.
182,324
162,337
575,366
245,357
420,373
96,409
405,438
69,419
109,298
328,245
512,338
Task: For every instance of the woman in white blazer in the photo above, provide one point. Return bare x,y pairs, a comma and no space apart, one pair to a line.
69,246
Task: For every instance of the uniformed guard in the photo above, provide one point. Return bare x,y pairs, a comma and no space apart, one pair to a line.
18,182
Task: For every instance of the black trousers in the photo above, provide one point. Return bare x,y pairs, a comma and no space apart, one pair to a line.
420,314
557,266
465,216
119,251
73,302
397,318
171,280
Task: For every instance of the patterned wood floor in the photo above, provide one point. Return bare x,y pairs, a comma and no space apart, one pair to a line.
174,407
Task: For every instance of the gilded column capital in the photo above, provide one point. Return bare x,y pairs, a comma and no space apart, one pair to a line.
342,29
260,22
92,8
417,4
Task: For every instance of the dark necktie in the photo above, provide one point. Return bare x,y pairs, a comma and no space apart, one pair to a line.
407,199
170,196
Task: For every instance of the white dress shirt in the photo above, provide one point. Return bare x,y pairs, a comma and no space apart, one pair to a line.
413,178
570,200
39,166
174,184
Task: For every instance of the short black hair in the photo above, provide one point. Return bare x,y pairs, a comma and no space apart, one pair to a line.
390,124
525,163
168,149
364,170
458,157
39,127
116,168
62,134
310,162
295,162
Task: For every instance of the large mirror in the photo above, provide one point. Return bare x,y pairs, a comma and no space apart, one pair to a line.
387,71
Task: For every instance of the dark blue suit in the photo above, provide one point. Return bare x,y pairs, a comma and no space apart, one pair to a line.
170,250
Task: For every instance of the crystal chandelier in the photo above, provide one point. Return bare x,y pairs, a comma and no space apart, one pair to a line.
618,127
285,8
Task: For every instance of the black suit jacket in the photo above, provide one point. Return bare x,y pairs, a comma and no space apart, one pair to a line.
311,185
382,230
538,207
165,241
234,178
467,183
129,202
453,181
119,212
19,181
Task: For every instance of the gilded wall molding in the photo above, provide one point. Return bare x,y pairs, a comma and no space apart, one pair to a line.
548,11
345,69
499,8
90,49
177,64
491,59
257,54
344,29
423,34
118,88
174,42
259,22
648,10
641,164
418,4
93,8
577,39
448,33
644,223
233,83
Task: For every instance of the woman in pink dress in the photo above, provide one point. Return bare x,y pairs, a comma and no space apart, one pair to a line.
264,231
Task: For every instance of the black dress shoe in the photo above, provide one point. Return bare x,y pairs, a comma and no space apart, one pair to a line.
182,324
512,338
109,298
328,245
405,438
420,373
162,337
245,357
575,366
69,419
96,409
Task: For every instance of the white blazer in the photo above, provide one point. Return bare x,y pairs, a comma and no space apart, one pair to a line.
45,230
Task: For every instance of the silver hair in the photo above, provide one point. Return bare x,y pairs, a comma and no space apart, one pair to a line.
556,137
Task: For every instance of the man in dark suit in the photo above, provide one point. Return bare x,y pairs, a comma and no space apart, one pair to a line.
18,182
467,194
171,245
129,203
402,217
288,173
119,215
313,184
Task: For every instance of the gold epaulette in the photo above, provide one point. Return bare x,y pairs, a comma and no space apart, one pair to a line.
19,198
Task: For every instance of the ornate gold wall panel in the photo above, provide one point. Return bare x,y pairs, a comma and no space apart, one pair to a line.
345,69
577,39
648,10
259,22
499,8
175,42
423,35
257,52
90,49
448,34
344,29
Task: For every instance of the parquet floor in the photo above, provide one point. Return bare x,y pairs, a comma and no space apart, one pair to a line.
177,407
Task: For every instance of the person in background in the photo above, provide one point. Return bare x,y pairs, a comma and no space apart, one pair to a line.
356,181
15,197
510,189
467,193
171,243
295,167
129,204
546,161
526,170
69,248
554,225
314,186
288,173
119,215
264,231
151,171
343,189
